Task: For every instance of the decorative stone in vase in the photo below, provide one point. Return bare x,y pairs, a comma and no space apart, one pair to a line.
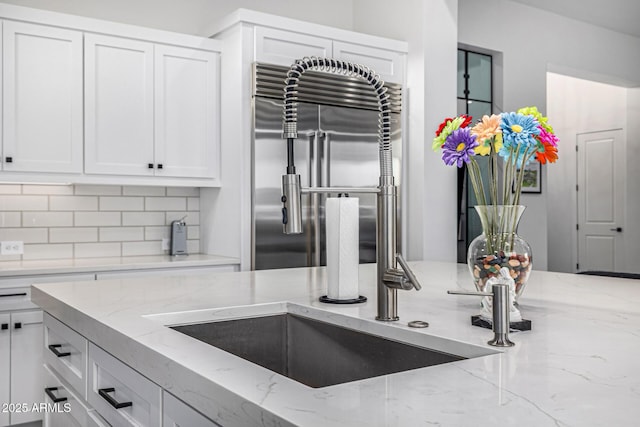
499,246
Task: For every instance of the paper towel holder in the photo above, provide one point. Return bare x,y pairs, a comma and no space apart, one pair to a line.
325,299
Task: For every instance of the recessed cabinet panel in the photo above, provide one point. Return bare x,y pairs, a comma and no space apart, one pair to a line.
5,365
178,414
386,63
42,102
284,47
26,359
186,113
118,106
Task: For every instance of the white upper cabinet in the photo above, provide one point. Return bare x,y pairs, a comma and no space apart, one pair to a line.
186,112
388,64
284,47
118,106
42,99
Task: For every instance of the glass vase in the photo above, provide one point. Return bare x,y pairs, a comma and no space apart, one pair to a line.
499,246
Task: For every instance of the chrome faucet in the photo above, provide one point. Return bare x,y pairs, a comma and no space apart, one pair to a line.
389,277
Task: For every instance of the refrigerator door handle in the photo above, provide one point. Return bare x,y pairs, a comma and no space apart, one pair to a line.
325,147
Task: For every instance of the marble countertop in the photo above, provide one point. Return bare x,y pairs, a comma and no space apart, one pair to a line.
579,366
92,265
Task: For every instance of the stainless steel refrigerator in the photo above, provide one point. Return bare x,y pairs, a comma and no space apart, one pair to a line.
337,145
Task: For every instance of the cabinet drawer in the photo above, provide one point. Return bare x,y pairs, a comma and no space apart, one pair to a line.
65,351
388,64
64,407
119,394
284,47
16,298
176,413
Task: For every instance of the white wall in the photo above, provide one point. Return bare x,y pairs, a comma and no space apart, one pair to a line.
194,16
632,234
533,41
431,30
577,106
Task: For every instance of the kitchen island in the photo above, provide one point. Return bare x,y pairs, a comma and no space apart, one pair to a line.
578,366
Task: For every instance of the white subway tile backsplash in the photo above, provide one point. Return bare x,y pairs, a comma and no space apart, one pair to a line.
24,203
73,203
192,218
60,221
48,251
121,234
97,250
143,218
142,248
98,190
47,189
183,191
193,203
193,246
133,190
108,203
10,189
97,218
26,235
157,233
73,234
193,231
47,219
165,203
10,219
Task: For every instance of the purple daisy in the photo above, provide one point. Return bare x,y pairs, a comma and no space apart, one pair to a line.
458,147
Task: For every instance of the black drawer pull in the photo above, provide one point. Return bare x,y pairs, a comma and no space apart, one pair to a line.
150,166
9,159
54,399
110,400
22,294
4,326
159,165
18,325
54,349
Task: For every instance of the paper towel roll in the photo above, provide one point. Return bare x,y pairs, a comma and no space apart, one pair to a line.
343,239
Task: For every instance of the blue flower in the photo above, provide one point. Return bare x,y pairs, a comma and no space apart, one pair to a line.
518,133
458,147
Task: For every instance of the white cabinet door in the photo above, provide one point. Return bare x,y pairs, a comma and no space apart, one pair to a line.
186,112
178,414
284,47
388,64
5,365
42,103
118,106
26,363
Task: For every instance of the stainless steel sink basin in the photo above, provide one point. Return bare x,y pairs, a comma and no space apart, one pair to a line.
313,352
317,347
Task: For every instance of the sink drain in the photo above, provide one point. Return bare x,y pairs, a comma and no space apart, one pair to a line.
418,324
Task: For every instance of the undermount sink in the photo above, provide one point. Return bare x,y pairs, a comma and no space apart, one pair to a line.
286,339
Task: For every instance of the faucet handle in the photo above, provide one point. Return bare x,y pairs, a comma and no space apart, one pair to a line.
407,271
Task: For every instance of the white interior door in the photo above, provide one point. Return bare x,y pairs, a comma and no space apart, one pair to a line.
601,172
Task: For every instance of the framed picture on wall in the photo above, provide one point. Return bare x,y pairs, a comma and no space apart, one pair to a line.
532,181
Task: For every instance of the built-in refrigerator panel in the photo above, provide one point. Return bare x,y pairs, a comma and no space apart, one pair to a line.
272,248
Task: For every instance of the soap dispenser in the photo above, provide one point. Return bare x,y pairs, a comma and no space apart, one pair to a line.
178,237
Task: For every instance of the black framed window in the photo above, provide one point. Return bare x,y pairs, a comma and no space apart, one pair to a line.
475,98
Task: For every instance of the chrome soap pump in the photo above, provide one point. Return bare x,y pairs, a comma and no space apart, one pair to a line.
178,237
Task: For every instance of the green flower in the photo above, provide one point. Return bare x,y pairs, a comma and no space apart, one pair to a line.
447,130
533,111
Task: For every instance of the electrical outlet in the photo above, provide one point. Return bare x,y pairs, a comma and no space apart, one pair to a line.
12,247
165,244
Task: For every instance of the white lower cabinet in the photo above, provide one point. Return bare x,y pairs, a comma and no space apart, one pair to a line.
178,414
121,395
20,354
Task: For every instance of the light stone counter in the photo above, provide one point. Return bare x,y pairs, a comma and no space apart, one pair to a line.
94,265
579,366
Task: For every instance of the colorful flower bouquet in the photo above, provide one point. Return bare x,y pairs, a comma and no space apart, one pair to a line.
517,138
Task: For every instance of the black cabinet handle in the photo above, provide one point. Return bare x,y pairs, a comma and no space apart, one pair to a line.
159,165
54,399
4,326
110,400
9,159
18,325
21,294
150,165
54,349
